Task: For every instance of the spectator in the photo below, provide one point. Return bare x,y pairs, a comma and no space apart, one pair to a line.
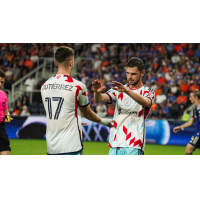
97,63
171,100
158,90
161,79
161,98
174,88
184,86
30,84
25,101
161,115
25,112
165,110
197,52
16,111
16,72
182,99
101,110
175,58
111,110
194,86
29,63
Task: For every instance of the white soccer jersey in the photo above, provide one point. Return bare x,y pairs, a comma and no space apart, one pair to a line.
61,96
129,130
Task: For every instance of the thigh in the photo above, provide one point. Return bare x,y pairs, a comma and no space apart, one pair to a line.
195,141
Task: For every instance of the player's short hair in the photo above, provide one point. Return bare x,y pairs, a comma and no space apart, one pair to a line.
197,94
63,53
136,62
2,74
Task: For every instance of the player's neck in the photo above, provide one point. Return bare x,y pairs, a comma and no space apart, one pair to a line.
134,87
64,71
196,103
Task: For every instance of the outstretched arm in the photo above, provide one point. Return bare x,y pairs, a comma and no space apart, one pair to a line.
187,124
90,115
144,101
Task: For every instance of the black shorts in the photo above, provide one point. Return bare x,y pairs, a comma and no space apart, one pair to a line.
4,141
195,141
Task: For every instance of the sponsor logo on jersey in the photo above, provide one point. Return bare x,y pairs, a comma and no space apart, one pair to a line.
126,112
3,104
127,102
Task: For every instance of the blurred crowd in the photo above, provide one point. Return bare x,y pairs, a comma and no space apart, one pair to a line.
17,59
172,70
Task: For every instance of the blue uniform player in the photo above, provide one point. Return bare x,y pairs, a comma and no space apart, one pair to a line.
194,142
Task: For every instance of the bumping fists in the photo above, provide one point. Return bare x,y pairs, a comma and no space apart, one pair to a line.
96,84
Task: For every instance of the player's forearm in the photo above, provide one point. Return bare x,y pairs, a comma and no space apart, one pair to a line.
6,112
187,124
138,98
98,97
92,116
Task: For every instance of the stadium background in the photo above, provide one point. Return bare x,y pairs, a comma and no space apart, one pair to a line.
172,70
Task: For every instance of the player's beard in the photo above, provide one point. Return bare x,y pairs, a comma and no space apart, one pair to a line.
134,83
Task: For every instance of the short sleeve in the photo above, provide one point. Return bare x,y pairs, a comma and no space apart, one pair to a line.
82,96
149,93
6,104
112,95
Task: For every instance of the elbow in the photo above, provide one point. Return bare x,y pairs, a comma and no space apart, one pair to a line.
146,104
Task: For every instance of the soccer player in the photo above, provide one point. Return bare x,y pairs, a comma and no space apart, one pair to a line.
133,103
62,97
195,141
4,141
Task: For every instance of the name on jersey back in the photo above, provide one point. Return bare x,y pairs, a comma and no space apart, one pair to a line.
57,86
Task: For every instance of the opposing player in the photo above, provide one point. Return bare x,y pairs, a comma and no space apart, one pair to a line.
195,141
62,96
133,103
4,117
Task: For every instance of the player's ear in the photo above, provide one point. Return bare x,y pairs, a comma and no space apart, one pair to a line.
56,63
71,63
143,72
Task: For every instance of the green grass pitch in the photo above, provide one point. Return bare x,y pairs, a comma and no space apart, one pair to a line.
38,147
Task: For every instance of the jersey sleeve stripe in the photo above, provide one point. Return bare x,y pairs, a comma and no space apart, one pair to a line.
151,102
85,105
111,100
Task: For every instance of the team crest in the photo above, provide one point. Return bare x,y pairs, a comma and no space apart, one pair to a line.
3,104
127,102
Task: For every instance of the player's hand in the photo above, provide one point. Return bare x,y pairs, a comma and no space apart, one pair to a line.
9,121
97,86
111,124
176,129
119,87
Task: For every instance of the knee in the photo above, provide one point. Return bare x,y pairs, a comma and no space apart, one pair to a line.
188,149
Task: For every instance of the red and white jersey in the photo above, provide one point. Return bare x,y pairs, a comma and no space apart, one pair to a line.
130,118
61,96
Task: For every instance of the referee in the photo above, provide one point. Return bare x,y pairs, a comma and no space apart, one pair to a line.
4,117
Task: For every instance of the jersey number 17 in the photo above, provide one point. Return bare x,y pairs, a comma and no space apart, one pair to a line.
60,103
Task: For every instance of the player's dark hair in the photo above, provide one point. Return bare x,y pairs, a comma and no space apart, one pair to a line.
136,62
197,94
63,53
2,74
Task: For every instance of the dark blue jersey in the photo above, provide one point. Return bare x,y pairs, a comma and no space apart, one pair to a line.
196,115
